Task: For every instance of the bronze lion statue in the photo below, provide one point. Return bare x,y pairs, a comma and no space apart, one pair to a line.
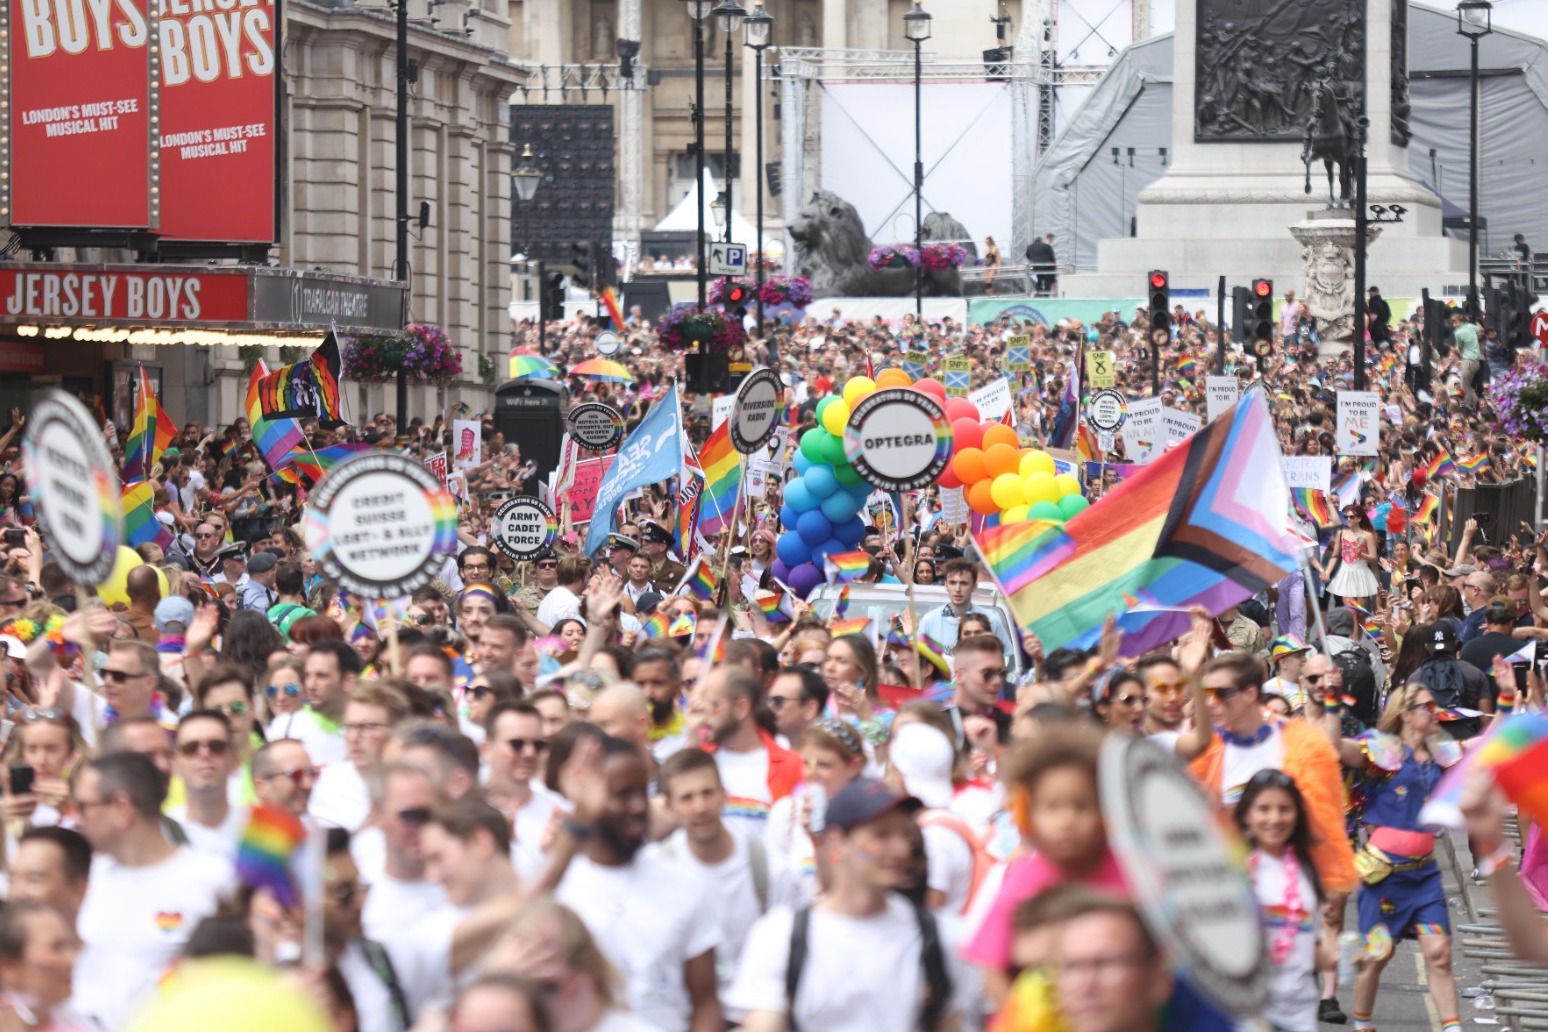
832,250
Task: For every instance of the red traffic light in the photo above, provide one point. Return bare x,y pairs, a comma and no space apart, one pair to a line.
736,295
1262,287
1158,281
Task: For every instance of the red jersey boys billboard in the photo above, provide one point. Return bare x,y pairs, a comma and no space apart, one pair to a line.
219,91
79,117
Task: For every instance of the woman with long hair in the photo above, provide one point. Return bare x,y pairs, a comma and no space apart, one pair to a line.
834,756
249,642
851,671
1355,549
1401,895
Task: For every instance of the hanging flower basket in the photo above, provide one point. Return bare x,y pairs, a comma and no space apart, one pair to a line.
423,349
943,256
894,256
795,291
1520,397
709,331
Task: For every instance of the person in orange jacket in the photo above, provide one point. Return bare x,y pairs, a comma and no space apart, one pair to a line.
756,770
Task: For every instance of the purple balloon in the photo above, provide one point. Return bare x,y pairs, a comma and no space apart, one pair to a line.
780,570
804,579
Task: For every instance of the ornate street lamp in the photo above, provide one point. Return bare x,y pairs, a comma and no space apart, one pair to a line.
1475,20
916,29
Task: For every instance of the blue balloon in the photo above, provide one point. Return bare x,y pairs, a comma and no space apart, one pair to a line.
801,464
814,527
787,518
800,498
792,551
851,531
839,506
820,481
861,493
829,547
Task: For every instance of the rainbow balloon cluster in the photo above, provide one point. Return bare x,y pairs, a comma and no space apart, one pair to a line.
1000,478
821,514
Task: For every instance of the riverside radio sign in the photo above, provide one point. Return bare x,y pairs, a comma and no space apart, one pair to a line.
155,115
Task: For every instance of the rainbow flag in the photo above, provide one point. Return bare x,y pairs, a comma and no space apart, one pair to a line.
1528,452
714,650
264,854
1068,416
1208,523
841,604
722,481
1428,505
140,522
701,581
1475,464
306,388
843,567
610,302
775,607
856,625
683,626
1186,365
654,626
690,494
1442,465
151,435
932,652
895,634
314,465
278,438
1314,505
1518,756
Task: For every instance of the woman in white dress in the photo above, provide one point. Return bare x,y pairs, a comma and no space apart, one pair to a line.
1354,549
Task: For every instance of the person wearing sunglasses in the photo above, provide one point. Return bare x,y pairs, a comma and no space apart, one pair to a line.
380,1001
1402,894
283,776
227,690
204,761
515,750
282,691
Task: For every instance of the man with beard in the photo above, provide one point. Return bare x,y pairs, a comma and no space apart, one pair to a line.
754,769
1166,690
653,918
659,674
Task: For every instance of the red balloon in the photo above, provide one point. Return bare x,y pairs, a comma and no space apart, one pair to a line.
961,408
949,479
966,434
933,387
980,500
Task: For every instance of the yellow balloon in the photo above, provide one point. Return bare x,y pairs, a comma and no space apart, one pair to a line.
1068,485
1036,461
1040,487
115,590
1008,491
1018,514
857,389
835,417
232,994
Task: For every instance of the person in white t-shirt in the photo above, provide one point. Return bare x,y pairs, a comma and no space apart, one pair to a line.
399,895
203,758
331,672
735,864
340,797
145,895
923,756
653,918
514,749
867,948
563,602
755,770
1287,655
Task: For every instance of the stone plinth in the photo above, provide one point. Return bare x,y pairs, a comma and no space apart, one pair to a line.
1327,241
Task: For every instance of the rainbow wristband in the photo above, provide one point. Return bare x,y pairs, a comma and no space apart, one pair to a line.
1330,702
1505,704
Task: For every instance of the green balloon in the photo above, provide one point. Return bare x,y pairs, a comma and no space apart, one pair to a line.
1072,504
1046,511
824,405
846,474
812,446
832,448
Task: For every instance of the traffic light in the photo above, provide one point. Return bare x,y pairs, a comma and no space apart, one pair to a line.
1261,321
585,262
1241,311
1160,292
551,297
737,296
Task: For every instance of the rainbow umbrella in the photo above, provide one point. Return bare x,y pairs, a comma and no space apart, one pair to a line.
531,364
602,369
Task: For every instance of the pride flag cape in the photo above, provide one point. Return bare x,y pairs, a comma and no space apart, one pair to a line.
1208,523
151,434
722,466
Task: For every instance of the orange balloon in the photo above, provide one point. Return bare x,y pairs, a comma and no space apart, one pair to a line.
999,433
968,464
893,378
981,500
1001,458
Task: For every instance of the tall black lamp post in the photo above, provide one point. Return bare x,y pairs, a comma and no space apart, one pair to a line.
1475,21
698,10
525,178
407,72
730,14
916,29
760,32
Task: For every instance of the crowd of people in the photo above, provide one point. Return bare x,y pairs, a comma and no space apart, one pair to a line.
544,808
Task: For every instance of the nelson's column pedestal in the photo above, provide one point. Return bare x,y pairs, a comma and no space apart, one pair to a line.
1244,75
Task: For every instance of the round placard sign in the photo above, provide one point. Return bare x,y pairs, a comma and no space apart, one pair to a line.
756,415
80,505
1187,879
524,528
608,343
898,439
596,426
1107,410
381,525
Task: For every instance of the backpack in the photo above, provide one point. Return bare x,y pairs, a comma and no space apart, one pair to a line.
981,858
937,981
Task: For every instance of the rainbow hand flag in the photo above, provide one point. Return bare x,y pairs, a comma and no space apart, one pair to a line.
1528,452
151,435
264,855
843,567
841,604
857,625
654,626
140,522
895,634
775,607
1186,365
701,581
722,466
683,626
714,650
1428,506
1314,505
1518,756
314,465
1441,466
1475,464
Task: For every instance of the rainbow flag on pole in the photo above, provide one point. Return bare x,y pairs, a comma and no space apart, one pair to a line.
1208,523
1442,465
140,522
1428,505
1475,464
264,854
846,566
277,437
722,466
1314,504
314,465
151,435
610,302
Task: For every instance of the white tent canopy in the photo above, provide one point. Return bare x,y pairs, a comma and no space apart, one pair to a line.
685,217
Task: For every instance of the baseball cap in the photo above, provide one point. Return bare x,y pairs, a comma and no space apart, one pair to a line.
924,757
1443,640
1285,645
863,800
173,610
261,562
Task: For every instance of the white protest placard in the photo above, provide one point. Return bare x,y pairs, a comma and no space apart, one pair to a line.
993,399
769,462
467,443
721,407
1313,471
1359,423
1142,433
954,507
80,503
1220,393
1178,425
